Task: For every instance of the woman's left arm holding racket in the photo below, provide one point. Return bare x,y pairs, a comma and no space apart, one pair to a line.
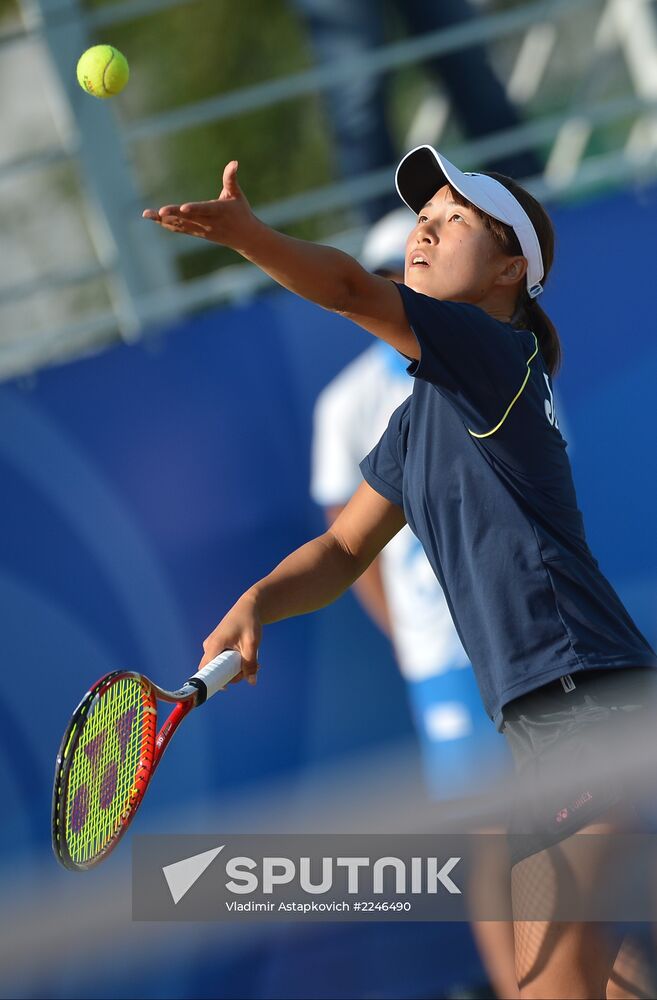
114,741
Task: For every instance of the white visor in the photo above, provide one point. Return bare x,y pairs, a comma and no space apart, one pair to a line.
423,171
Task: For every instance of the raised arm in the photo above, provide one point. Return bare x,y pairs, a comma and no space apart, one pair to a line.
311,577
322,274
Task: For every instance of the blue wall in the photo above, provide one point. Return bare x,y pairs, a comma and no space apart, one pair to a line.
144,489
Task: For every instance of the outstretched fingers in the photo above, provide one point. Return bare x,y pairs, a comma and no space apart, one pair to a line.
159,213
199,208
170,218
195,213
230,191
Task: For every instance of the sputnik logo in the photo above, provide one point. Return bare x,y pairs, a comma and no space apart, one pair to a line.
182,875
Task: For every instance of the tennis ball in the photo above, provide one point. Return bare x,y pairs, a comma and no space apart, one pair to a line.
103,71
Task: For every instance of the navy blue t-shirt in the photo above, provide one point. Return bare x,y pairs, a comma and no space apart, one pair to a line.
476,459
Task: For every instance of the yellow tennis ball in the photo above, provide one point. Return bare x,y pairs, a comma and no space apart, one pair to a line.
103,71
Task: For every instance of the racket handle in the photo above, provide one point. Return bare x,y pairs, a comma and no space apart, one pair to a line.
216,674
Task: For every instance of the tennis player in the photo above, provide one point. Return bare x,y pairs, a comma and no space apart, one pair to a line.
475,463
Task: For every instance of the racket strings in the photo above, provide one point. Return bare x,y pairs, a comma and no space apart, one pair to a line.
109,765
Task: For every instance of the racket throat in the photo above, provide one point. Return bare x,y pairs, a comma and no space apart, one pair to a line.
201,688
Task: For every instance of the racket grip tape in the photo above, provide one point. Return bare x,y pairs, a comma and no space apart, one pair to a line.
216,674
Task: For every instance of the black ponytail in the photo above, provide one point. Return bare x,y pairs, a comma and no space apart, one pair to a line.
529,315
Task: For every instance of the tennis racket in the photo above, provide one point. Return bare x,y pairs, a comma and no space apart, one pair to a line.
111,750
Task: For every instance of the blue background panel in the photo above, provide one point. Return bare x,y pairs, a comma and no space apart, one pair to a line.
145,488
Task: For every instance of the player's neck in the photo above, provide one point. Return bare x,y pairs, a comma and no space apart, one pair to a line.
498,304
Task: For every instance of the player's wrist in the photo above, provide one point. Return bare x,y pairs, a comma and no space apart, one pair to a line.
250,238
262,603
251,600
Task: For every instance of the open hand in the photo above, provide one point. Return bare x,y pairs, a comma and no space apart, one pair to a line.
227,220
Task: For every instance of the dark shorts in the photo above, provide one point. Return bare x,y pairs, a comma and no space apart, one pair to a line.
571,740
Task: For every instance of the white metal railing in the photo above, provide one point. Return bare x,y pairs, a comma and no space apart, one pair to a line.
241,281
567,133
461,36
246,99
340,195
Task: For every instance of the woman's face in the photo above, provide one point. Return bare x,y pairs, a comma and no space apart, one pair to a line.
460,261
